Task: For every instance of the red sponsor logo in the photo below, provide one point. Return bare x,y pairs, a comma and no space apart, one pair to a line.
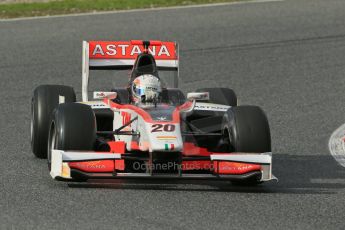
126,118
222,167
94,166
127,50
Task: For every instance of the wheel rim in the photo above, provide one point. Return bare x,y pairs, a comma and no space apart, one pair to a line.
232,139
51,144
226,139
229,139
32,124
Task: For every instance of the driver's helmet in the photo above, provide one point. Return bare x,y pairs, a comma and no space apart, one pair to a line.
146,89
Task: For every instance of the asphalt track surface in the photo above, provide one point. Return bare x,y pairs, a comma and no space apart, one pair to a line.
287,57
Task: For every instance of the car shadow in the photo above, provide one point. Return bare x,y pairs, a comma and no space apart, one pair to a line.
306,174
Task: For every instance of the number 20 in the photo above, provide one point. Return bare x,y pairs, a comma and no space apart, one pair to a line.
161,128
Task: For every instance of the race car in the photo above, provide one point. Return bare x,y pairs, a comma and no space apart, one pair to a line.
147,129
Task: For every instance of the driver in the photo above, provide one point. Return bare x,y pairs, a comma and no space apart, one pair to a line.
145,89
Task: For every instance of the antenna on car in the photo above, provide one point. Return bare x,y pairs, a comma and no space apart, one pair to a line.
146,44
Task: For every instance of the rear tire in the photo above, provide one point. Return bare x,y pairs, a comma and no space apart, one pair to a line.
209,120
173,96
222,96
246,129
45,99
122,95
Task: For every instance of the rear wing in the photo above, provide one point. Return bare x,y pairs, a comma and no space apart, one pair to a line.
121,55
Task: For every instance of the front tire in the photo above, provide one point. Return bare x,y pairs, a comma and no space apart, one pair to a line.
246,129
73,127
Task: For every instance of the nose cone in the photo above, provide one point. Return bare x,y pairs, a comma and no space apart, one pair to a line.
165,138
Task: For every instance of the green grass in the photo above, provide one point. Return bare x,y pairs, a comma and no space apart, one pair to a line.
15,10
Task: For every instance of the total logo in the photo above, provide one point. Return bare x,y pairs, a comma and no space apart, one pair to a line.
100,94
162,118
88,165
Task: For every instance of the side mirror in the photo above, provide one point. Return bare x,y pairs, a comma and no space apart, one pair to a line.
198,96
102,95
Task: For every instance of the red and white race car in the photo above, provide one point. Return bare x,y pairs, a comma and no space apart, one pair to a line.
161,134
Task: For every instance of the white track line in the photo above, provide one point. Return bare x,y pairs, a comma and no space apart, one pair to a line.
336,145
140,10
328,181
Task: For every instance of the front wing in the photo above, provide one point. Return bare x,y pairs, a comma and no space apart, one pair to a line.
60,167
